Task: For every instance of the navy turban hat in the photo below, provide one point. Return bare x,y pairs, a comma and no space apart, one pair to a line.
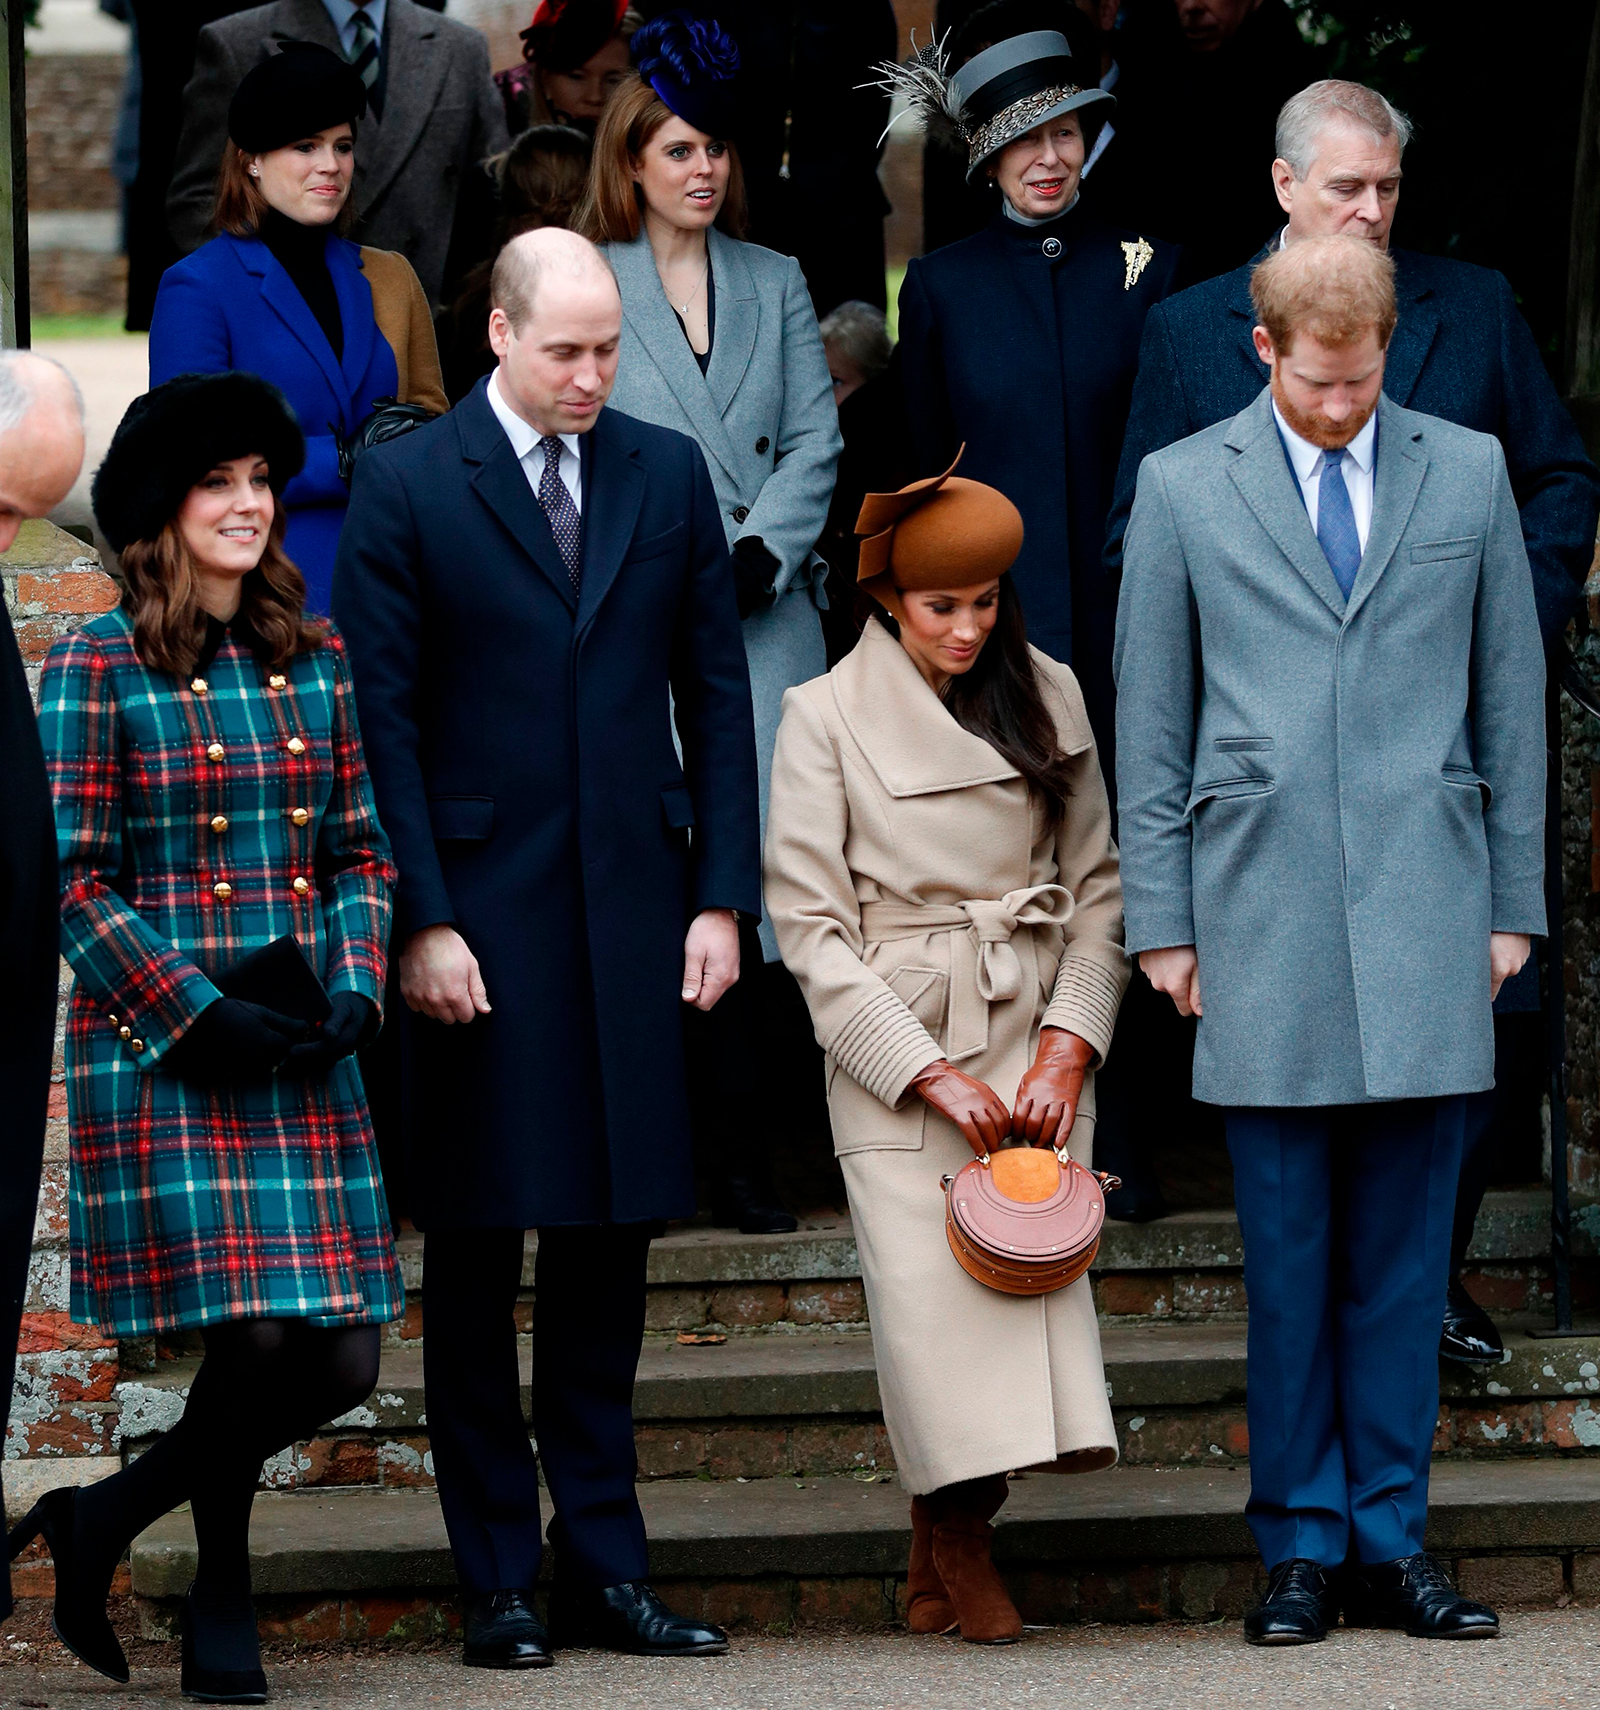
690,62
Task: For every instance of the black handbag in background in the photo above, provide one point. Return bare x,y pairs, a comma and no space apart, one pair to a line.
279,978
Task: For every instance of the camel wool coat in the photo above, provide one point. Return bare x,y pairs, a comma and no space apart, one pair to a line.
928,911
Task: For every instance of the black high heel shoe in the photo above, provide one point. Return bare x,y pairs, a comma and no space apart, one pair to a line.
221,1651
79,1616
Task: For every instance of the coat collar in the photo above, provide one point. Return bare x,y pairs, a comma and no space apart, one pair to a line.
702,397
1261,473
911,742
1414,333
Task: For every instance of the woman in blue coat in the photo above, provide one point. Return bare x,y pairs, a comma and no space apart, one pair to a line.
335,327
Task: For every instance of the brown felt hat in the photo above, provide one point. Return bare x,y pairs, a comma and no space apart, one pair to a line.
943,532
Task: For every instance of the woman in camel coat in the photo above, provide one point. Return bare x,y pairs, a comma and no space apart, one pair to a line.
953,916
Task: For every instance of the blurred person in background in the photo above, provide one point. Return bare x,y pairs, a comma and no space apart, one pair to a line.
434,114
280,292
41,453
574,54
719,341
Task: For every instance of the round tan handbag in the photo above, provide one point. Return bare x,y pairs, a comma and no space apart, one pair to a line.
1027,1219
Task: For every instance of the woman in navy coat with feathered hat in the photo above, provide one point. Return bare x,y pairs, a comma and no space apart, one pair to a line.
336,327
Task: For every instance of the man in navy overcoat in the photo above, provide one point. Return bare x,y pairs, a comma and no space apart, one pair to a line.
534,589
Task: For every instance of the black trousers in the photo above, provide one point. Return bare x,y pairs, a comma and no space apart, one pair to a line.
588,1324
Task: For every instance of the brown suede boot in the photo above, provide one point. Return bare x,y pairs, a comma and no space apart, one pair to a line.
928,1605
961,1538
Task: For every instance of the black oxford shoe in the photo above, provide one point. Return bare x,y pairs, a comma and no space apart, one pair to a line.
502,1631
1469,1335
630,1617
1299,1605
1415,1595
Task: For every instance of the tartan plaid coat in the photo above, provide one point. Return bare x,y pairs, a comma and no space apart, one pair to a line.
197,821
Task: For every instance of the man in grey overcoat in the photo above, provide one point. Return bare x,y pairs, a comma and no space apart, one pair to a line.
1331,784
433,114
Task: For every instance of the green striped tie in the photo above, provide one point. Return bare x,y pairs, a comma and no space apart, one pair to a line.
364,52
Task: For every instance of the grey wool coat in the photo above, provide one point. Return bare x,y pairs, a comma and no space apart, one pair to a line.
441,115
1335,802
928,909
763,414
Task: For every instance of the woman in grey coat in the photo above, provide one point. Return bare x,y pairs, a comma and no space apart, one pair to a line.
719,340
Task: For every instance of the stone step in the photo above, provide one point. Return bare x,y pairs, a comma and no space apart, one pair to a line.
1128,1544
765,1405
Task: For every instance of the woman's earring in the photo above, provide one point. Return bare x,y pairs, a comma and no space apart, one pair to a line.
255,171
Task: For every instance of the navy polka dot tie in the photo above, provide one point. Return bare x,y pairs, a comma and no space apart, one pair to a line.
565,523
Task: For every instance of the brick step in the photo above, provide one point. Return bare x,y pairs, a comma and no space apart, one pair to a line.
764,1405
1131,1544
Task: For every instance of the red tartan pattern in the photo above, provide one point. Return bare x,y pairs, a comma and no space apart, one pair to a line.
193,1204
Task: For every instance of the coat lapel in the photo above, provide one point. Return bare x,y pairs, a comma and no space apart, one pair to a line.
1242,321
414,73
503,486
909,738
613,490
1402,463
647,311
738,317
1414,333
1261,473
280,294
355,311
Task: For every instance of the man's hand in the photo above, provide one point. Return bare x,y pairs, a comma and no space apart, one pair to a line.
1177,973
439,976
710,956
1507,952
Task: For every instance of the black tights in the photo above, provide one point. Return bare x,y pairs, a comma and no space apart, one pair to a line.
265,1383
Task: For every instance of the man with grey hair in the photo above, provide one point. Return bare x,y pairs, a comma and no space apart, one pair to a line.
1461,351
41,452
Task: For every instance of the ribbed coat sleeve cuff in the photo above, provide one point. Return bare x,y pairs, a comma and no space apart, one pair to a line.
882,1046
1087,997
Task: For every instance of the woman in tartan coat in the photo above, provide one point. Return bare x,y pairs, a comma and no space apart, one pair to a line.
211,797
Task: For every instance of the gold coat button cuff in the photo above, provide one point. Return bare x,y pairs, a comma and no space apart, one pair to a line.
223,891
200,686
301,887
115,1020
301,816
136,1046
216,752
296,746
277,681
219,822
125,1032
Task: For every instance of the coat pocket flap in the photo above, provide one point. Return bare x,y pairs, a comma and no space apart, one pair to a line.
1226,789
1242,744
1437,551
1468,780
678,806
654,544
463,819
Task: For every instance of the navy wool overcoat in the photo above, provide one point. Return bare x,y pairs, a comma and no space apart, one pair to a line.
521,746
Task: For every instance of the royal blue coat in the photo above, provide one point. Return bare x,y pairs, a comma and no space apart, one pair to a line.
232,305
521,747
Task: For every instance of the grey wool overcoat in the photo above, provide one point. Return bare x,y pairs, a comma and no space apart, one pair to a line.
763,414
1335,801
929,909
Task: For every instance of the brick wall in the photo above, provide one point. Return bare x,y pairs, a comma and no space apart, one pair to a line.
73,100
1580,819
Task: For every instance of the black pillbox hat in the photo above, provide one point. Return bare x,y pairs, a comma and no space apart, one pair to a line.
294,94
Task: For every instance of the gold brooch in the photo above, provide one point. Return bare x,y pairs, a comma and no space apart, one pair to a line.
1138,255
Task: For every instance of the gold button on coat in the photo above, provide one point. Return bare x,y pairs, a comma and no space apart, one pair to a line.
296,746
216,752
223,891
115,1020
301,816
277,681
200,686
301,887
136,1046
126,1032
219,822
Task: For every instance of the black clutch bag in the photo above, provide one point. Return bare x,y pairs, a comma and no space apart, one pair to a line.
278,977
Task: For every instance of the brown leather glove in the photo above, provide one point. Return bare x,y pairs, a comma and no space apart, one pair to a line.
976,1109
1047,1100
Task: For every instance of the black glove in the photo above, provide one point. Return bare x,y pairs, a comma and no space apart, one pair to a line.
234,1040
754,569
354,1021
389,420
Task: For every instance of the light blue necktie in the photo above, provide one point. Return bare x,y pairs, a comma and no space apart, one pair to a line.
1336,523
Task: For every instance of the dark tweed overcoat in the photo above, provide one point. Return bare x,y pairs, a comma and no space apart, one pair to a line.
198,820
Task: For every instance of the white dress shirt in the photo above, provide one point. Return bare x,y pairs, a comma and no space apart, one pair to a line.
343,13
530,454
1360,458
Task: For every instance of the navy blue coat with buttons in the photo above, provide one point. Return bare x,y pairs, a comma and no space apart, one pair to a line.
520,742
1023,341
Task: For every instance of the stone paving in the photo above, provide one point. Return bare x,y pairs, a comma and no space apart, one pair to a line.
1544,1662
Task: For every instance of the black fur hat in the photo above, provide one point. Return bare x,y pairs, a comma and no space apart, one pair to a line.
176,434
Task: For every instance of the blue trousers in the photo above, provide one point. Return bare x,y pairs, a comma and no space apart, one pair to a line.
1346,1213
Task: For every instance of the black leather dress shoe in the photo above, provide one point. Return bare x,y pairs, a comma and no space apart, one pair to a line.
630,1617
1415,1595
1299,1606
1469,1334
750,1207
502,1631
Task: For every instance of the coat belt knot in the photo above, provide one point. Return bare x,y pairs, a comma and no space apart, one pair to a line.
984,967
